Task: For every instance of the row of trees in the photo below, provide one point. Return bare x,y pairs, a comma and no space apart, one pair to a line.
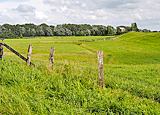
31,30
28,30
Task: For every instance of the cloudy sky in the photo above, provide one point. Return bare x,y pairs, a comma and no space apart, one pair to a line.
146,13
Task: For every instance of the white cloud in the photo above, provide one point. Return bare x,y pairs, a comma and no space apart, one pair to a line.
105,12
64,8
40,15
25,8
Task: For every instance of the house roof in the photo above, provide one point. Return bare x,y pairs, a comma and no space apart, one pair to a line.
122,28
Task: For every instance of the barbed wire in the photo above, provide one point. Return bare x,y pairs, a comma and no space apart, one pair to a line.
137,60
133,80
132,72
84,53
76,61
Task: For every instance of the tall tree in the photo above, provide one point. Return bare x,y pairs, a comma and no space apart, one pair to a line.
134,27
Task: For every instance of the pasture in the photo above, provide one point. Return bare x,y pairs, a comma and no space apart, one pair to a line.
131,74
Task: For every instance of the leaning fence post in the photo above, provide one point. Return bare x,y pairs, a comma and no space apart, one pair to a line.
29,55
100,68
51,58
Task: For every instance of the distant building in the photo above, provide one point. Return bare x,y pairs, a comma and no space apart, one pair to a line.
122,29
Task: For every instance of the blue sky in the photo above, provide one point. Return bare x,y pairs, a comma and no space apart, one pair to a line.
103,12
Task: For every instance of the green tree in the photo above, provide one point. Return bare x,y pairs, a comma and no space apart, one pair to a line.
134,27
33,32
49,31
110,30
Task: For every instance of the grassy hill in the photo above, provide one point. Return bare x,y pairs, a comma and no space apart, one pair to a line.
131,71
131,48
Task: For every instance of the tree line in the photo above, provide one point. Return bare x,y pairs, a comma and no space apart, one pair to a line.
32,30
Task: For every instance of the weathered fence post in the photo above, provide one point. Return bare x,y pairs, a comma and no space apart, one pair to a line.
29,55
1,50
51,58
3,55
100,68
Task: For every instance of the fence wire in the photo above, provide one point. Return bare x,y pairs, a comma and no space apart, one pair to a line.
131,79
144,75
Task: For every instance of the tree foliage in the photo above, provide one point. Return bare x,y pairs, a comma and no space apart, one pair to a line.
134,27
28,30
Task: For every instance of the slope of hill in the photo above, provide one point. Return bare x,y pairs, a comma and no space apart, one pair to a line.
131,48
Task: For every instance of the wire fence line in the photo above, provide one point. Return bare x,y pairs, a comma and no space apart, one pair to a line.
95,56
127,87
123,78
131,79
144,75
137,60
91,64
96,64
84,53
122,86
77,61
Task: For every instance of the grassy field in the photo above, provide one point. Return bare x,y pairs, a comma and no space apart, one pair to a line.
131,72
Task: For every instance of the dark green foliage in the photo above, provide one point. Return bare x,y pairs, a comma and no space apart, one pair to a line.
146,31
134,27
31,30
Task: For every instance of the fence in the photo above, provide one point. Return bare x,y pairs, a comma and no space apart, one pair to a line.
143,85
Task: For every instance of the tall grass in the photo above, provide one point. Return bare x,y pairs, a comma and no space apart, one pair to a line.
27,90
131,71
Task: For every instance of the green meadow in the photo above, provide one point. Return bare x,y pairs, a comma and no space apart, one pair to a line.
131,74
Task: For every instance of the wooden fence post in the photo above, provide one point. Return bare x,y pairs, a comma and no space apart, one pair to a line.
29,55
51,58
1,50
100,68
3,55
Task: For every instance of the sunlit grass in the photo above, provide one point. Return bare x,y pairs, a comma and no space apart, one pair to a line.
131,72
